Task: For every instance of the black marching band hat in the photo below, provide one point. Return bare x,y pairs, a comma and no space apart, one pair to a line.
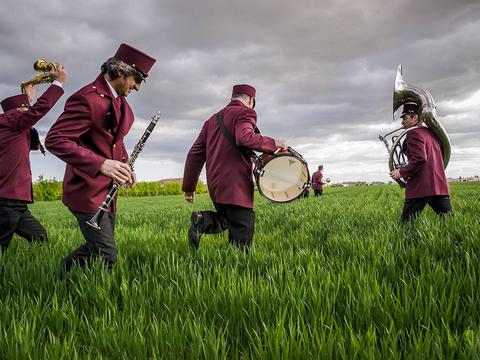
409,108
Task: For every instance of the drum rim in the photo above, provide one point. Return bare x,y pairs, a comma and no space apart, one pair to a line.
274,156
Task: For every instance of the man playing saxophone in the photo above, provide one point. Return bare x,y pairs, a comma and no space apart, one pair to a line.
17,138
88,136
424,174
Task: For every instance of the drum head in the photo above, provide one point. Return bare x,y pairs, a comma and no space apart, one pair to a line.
283,178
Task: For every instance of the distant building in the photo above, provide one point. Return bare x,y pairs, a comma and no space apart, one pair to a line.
462,179
472,178
353,183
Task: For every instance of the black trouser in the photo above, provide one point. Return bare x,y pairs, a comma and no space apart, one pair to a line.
99,242
413,207
239,221
15,218
318,192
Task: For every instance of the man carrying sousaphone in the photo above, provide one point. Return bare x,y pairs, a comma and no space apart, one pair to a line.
88,136
224,145
426,182
17,138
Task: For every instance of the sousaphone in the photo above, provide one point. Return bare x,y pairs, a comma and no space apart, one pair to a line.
403,93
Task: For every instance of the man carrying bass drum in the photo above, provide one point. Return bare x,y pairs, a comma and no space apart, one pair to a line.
223,145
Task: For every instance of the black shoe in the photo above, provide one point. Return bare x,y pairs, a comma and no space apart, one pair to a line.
195,231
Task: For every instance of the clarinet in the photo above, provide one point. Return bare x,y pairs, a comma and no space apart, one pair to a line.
97,218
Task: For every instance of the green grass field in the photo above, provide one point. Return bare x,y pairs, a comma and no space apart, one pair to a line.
329,277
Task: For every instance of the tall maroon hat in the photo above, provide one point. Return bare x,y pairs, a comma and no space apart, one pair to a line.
135,58
244,89
14,102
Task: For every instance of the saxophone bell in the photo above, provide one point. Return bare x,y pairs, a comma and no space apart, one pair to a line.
43,67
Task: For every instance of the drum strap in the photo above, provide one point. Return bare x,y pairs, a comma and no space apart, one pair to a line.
230,139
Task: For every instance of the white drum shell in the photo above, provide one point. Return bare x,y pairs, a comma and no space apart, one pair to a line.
283,178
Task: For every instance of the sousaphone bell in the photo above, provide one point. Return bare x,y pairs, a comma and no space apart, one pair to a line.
403,93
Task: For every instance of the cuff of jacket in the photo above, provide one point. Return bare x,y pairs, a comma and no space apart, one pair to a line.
404,173
270,146
93,168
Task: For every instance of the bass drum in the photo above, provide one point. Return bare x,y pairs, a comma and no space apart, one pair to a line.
283,176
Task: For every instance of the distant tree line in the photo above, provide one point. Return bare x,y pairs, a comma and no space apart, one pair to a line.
48,189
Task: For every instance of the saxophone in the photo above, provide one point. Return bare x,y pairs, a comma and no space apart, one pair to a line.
44,67
95,220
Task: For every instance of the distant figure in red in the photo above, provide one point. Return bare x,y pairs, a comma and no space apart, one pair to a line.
424,173
317,181
17,138
224,145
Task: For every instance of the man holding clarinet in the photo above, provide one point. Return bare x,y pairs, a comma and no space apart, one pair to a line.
88,136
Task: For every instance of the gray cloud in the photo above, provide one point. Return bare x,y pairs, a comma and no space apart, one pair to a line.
323,71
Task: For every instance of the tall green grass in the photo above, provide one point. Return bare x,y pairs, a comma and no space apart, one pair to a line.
329,277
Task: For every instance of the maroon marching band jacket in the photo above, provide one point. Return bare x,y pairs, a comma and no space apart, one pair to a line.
229,170
424,172
15,136
89,131
317,178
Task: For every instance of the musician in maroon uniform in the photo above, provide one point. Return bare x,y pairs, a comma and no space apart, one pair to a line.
424,173
88,136
17,138
317,181
229,165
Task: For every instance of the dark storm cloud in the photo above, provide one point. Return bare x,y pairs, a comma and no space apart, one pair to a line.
324,70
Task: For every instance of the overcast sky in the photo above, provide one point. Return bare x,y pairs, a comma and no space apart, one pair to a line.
323,70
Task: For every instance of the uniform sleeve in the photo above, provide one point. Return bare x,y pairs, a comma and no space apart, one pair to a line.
21,120
416,153
62,137
194,163
246,136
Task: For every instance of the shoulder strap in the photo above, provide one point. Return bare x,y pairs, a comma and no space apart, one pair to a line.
247,152
224,131
35,143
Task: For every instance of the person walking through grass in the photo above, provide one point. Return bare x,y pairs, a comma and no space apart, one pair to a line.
89,137
17,138
224,145
317,181
426,182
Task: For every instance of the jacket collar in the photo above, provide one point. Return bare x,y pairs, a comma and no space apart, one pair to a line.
236,103
101,87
